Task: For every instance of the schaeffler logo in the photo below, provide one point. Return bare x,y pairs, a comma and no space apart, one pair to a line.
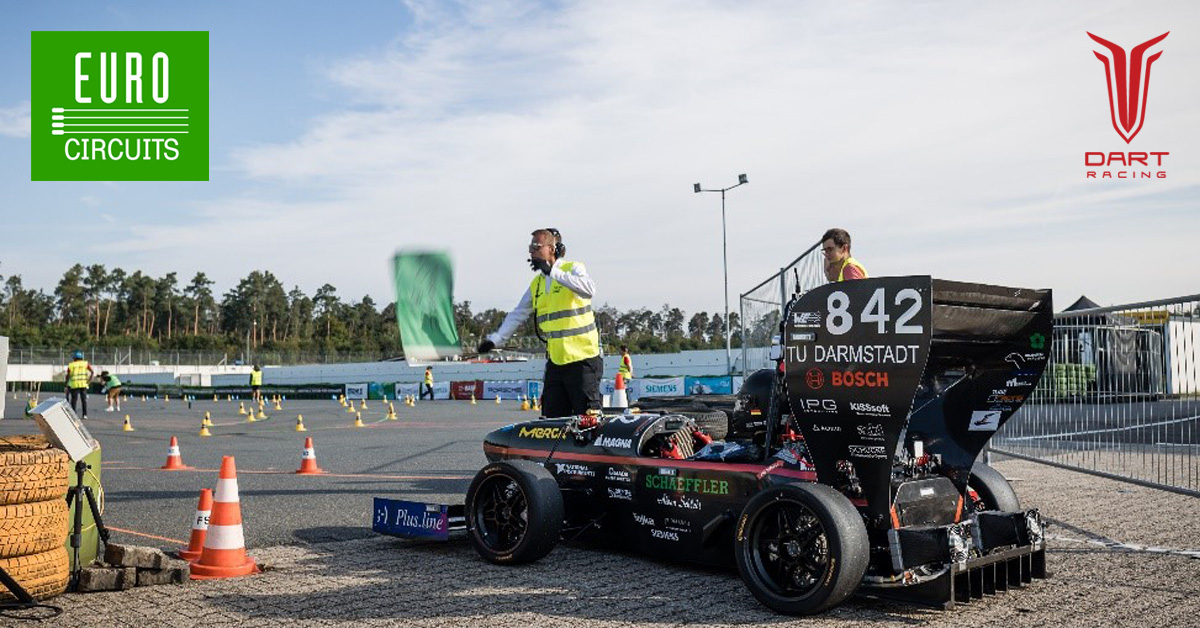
1127,76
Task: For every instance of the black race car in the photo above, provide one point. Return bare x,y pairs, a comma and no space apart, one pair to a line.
850,467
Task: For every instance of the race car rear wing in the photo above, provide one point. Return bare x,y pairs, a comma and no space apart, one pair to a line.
858,353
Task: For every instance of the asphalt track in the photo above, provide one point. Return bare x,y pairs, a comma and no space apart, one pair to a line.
1120,555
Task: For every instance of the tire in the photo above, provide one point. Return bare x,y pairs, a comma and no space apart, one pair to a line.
993,490
31,471
514,512
33,528
714,422
801,548
43,575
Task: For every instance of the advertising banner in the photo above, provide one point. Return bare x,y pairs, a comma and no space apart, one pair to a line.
505,389
709,385
608,386
664,387
411,520
356,391
464,390
441,390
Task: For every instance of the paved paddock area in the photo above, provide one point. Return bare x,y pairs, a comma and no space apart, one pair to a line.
1120,555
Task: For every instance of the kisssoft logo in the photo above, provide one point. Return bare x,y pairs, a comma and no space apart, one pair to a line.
119,106
1127,77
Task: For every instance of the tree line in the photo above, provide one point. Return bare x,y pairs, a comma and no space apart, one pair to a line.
93,306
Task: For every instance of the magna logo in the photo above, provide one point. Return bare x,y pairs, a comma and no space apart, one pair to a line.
859,379
615,443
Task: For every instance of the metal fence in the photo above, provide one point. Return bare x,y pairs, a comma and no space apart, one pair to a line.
762,305
1120,396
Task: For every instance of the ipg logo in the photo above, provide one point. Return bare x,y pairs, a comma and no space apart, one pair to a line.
1128,79
119,106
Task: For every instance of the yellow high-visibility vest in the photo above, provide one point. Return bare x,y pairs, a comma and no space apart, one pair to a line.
256,378
850,261
429,377
565,320
625,368
77,374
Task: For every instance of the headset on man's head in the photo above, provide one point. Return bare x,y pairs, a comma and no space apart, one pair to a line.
560,249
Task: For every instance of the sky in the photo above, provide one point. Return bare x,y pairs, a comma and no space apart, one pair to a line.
947,137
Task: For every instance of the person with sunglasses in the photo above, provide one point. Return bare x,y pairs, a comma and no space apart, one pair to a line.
839,266
560,296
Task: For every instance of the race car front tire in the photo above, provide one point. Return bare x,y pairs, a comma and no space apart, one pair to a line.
514,512
801,548
994,491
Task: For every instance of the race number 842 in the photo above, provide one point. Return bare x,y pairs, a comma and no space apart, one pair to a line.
840,320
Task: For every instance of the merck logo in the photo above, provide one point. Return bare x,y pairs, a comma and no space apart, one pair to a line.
1128,77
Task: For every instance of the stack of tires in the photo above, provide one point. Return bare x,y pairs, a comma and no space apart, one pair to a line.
33,515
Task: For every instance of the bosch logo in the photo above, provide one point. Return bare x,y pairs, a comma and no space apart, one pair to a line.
859,379
815,378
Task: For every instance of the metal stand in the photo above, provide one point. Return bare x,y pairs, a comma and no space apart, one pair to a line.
77,494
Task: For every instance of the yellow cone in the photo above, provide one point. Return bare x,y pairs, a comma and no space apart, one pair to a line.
524,403
364,404
472,398
278,406
300,423
128,426
214,398
261,414
391,415
207,422
204,430
358,420
241,408
168,398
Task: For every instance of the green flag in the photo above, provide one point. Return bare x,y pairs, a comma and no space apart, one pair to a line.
425,305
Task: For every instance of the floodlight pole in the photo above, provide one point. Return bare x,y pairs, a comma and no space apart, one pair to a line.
742,180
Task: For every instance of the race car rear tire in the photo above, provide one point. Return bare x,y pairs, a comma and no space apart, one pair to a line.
994,491
801,548
514,512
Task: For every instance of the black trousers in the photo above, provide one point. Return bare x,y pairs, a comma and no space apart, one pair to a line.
426,389
78,395
572,389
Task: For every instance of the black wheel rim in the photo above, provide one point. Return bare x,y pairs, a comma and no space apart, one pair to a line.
788,549
501,513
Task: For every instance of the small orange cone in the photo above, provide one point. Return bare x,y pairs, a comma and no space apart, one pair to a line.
224,554
174,460
199,527
308,459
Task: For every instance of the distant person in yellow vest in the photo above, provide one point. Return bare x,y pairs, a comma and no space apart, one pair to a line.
560,296
256,383
839,266
112,391
79,375
625,368
428,386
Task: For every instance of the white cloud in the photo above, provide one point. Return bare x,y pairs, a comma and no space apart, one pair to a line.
947,138
14,121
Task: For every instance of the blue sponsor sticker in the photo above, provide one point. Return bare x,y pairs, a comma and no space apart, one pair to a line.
411,520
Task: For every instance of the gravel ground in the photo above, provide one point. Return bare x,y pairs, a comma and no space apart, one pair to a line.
1120,555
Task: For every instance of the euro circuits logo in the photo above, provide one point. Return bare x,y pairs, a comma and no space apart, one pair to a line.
119,106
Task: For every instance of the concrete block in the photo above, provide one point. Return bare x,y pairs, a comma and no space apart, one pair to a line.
176,572
100,579
128,578
134,556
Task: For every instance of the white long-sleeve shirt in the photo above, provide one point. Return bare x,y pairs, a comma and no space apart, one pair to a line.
577,281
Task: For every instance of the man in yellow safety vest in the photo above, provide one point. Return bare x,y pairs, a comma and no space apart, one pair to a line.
79,376
560,296
839,266
625,367
427,389
256,383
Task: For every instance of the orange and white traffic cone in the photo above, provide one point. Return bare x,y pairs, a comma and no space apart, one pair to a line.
174,460
619,398
224,554
199,527
308,460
